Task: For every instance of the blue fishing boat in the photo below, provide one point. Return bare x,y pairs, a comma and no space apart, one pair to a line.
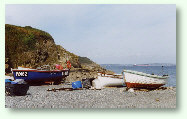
40,75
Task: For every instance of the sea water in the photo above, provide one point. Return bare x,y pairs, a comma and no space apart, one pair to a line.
158,70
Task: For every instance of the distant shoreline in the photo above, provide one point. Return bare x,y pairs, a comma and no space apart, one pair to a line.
154,64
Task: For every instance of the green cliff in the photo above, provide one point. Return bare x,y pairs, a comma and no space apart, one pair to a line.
30,47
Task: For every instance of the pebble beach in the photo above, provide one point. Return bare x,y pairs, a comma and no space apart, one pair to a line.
110,97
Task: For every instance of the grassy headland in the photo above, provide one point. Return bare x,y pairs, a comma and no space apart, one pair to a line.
31,47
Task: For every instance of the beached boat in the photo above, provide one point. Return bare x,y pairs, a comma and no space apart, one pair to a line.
40,75
16,87
107,81
134,79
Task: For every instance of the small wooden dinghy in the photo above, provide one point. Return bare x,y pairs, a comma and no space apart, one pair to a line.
134,79
107,81
15,88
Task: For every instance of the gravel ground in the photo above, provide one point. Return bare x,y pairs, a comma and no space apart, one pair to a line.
39,97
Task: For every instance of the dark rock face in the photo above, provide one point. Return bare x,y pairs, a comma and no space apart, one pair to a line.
30,47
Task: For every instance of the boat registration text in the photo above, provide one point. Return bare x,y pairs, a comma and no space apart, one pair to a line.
22,74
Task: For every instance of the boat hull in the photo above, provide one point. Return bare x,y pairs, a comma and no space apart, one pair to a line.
103,81
146,86
31,76
16,89
141,80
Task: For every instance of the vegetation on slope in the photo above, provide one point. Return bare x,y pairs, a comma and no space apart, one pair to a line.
85,60
30,47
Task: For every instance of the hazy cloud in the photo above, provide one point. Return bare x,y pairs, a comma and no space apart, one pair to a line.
105,33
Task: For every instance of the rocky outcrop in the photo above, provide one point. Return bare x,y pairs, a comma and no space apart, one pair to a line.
30,47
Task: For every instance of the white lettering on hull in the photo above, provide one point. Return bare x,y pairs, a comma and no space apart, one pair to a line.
66,73
21,74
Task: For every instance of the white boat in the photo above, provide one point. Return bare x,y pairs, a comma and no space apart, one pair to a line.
107,81
134,79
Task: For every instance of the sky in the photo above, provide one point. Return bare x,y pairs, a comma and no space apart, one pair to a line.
105,33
